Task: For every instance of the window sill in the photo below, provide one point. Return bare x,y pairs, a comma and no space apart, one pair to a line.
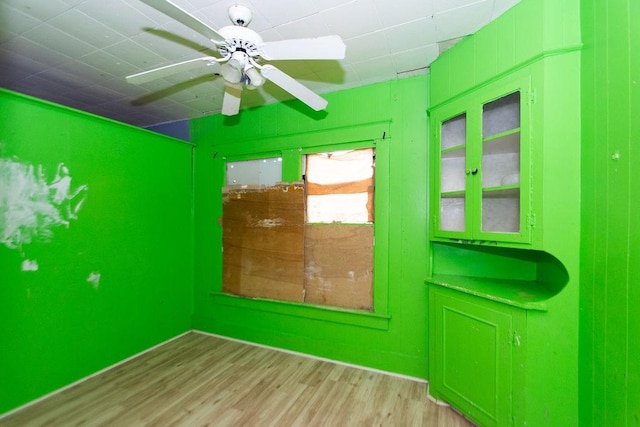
363,319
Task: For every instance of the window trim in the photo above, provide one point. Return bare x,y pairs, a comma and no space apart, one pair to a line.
292,172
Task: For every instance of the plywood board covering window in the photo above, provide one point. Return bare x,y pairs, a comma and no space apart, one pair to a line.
271,251
263,241
338,262
339,233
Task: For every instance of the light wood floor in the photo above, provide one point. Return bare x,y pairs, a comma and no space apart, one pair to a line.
199,380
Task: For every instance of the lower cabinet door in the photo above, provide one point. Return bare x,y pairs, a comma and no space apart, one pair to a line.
474,346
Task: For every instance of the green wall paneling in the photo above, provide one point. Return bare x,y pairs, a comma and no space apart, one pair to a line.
390,116
524,33
610,322
134,230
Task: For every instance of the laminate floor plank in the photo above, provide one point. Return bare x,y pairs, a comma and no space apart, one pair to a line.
201,380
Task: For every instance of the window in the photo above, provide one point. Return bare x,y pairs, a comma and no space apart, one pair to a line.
340,186
310,241
252,172
338,239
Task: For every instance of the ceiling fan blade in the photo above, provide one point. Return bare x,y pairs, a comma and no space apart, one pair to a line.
294,87
176,12
328,47
157,73
231,100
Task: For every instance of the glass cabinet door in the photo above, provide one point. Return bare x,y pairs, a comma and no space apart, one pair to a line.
453,158
482,166
501,165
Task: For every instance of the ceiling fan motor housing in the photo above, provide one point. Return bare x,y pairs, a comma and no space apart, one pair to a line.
240,38
240,15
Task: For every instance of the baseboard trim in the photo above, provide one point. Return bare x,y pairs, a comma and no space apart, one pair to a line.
436,401
311,356
95,374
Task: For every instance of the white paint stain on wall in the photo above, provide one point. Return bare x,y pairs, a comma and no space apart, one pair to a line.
68,202
29,265
31,208
94,279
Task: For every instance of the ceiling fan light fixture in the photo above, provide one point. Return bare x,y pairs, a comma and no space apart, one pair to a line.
238,60
230,73
255,78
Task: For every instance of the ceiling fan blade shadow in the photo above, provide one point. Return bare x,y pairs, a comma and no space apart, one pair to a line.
168,70
294,87
332,72
176,12
254,98
231,99
175,38
328,47
173,89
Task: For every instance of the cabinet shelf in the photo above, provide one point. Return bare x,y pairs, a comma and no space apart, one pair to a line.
454,152
502,192
526,294
458,194
501,115
507,142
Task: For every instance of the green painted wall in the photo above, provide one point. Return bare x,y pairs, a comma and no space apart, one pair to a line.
610,295
522,35
539,40
392,116
134,229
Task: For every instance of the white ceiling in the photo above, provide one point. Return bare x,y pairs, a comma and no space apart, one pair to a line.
78,52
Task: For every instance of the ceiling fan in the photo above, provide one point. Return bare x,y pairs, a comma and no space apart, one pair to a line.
242,52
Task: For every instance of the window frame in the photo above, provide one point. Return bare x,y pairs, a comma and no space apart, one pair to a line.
378,317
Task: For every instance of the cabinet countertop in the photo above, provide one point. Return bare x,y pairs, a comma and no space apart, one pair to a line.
529,295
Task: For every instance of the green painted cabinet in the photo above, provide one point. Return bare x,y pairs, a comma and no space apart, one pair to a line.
505,235
493,329
479,358
495,283
481,158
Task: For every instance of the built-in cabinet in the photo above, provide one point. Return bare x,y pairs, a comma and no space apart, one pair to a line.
483,301
489,280
480,359
481,147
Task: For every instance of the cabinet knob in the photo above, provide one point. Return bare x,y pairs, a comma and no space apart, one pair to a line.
472,171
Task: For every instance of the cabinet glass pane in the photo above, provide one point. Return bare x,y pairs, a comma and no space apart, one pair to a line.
453,158
501,161
501,211
452,213
454,132
501,165
452,170
501,115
